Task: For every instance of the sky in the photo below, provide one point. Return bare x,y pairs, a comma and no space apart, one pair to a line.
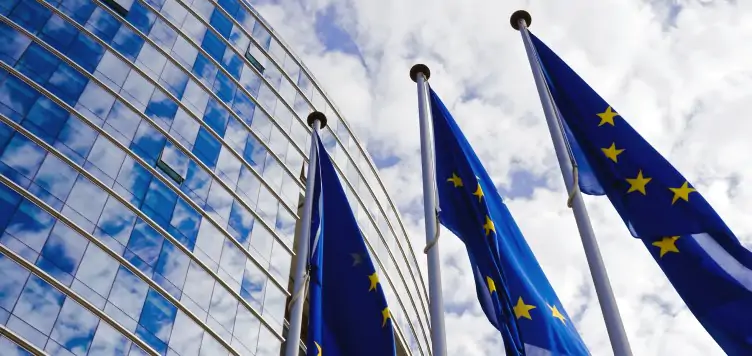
678,71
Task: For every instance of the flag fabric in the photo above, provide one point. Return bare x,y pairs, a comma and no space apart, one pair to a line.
512,289
707,265
348,313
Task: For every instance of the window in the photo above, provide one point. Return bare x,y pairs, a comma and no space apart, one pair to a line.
162,165
116,7
254,62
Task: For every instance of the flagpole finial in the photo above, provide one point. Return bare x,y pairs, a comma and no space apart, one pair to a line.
520,15
419,68
317,115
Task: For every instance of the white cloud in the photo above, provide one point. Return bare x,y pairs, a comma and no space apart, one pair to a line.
681,79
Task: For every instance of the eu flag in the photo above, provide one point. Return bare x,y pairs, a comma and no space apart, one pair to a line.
513,291
703,260
348,314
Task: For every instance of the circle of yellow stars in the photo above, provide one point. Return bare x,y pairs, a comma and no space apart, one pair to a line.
639,183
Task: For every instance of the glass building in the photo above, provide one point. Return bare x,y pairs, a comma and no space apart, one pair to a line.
150,182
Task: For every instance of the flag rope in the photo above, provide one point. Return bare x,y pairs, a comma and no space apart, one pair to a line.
433,242
575,184
302,292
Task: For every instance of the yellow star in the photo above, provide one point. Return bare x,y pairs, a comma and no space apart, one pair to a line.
638,184
489,226
385,314
318,347
612,152
667,244
357,259
491,284
607,116
457,181
522,309
479,193
682,192
374,278
557,314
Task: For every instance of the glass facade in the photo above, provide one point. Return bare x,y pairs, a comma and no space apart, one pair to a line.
150,159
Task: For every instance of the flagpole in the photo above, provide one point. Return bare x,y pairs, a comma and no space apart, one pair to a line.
317,121
420,73
520,21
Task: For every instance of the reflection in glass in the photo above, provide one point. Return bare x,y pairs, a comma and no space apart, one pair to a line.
75,328
128,293
253,138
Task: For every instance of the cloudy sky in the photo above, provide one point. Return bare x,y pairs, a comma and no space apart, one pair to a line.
678,70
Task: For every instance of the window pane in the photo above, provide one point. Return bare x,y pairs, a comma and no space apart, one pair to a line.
185,127
186,220
12,44
232,262
241,223
56,177
128,293
216,117
148,142
107,341
198,286
188,341
67,83
65,248
31,225
158,315
162,34
141,17
87,199
145,242
161,199
37,63
223,308
173,264
210,241
112,68
86,52
75,327
128,43
162,108
206,148
23,96
12,279
152,60
39,304
96,100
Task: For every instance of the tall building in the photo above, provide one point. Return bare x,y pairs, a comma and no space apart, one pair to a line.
150,181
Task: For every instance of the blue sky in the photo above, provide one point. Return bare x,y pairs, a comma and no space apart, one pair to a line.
337,39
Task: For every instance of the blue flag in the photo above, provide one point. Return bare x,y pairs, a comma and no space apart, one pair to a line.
513,291
348,313
703,260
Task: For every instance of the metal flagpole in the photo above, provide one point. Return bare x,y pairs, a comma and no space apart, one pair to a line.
420,74
520,20
317,121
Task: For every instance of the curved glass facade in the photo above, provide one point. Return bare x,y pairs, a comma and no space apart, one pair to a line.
150,159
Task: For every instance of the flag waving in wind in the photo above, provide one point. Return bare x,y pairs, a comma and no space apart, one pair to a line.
348,310
513,291
703,260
